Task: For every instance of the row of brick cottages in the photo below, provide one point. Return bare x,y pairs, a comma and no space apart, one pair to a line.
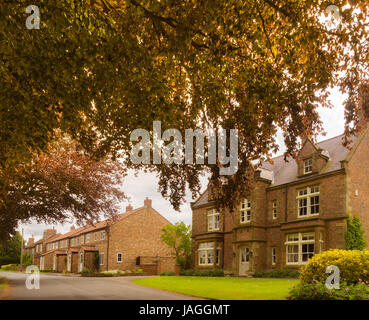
129,241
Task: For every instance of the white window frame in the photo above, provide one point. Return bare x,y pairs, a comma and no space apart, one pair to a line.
274,256
88,238
245,211
82,239
308,166
274,210
121,257
321,242
78,241
213,220
308,195
209,254
101,258
72,245
299,239
102,235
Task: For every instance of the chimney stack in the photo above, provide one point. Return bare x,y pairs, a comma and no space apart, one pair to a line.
147,203
49,233
129,208
72,228
31,241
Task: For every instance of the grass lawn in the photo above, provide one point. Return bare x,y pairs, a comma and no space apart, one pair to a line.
223,288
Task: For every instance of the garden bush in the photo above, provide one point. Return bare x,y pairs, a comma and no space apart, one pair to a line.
284,273
318,291
26,260
202,273
10,267
353,265
170,273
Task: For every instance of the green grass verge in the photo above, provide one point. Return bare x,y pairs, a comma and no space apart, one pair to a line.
223,288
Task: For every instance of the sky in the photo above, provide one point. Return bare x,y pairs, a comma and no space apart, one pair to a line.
146,184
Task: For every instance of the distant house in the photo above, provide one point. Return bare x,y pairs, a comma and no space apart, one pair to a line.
297,208
128,241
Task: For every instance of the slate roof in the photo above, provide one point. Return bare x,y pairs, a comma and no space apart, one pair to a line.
286,171
96,226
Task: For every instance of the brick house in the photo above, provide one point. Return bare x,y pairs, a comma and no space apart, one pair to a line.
297,208
36,249
129,241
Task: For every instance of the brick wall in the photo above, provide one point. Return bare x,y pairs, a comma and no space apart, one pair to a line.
358,182
137,235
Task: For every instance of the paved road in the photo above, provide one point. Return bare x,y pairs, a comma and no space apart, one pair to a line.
53,287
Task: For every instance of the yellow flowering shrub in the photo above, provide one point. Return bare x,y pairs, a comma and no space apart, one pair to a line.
353,265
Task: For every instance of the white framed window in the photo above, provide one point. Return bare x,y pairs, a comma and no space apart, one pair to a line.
274,209
56,245
274,256
72,242
77,240
95,236
321,242
213,220
308,201
119,257
245,211
101,258
308,166
88,238
206,254
217,257
82,239
299,247
102,235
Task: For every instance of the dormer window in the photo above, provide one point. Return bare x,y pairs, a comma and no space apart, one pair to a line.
308,166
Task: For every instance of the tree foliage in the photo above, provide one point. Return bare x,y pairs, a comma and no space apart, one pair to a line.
178,239
354,235
10,250
59,184
99,69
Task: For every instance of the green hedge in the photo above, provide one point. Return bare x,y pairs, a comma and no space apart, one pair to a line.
10,267
202,273
318,291
170,273
284,273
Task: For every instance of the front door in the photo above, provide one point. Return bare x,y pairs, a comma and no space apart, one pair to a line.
244,261
80,262
69,263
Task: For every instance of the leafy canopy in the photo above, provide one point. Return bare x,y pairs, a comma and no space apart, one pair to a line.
99,69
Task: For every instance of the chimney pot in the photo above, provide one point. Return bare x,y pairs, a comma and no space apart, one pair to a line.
72,228
129,208
148,203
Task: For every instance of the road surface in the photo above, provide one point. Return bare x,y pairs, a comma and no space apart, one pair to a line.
54,287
